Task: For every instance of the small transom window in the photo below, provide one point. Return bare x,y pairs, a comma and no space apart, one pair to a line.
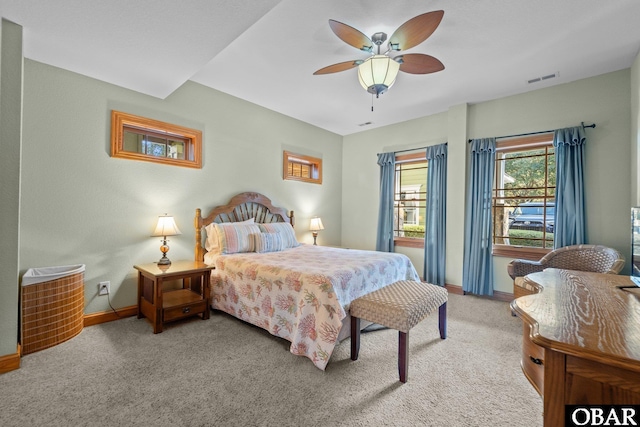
299,167
139,138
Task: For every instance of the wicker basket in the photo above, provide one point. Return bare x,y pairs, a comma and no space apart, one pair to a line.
52,306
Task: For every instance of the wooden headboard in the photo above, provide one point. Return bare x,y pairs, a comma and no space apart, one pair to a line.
241,207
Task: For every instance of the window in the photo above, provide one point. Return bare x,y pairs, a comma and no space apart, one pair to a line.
410,199
523,196
301,168
139,138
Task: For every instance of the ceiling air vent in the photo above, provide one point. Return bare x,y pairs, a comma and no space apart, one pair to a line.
547,77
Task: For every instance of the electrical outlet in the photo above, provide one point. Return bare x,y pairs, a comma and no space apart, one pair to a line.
104,288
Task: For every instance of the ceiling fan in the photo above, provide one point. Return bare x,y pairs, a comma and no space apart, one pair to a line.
378,72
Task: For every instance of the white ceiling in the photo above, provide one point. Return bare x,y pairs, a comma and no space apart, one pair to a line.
266,51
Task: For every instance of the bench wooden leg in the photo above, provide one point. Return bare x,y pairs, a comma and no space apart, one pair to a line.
355,337
442,320
403,355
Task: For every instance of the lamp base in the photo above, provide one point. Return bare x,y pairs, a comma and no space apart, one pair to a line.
315,236
164,261
164,248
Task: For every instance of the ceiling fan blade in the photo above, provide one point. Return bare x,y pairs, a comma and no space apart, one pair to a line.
419,63
335,68
415,30
351,36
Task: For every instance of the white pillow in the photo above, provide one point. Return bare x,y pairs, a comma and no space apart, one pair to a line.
211,242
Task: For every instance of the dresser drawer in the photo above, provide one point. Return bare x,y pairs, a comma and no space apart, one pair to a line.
532,361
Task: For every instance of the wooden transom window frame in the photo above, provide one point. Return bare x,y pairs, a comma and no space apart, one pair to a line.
410,242
510,145
191,139
299,167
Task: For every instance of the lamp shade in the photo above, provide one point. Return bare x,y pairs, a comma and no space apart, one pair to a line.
316,224
378,73
166,227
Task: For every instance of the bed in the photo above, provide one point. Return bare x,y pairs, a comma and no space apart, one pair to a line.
299,292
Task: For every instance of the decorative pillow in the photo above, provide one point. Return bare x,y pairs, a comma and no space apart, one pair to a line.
285,230
268,242
234,238
211,243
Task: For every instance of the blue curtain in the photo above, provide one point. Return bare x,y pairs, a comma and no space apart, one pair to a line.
384,240
570,225
436,224
477,272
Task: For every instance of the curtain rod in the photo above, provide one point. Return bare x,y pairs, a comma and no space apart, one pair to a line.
540,132
412,149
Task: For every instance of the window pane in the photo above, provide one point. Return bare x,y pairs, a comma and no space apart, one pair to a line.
410,199
176,149
300,170
523,201
132,141
156,147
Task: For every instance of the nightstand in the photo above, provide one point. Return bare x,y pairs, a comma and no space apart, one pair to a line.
161,306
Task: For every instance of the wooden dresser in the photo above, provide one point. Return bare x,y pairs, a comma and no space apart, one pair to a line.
581,340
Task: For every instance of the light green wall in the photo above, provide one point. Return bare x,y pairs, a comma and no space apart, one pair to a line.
10,140
79,205
456,184
635,132
604,100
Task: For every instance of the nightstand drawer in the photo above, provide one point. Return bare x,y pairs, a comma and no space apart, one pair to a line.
532,361
178,312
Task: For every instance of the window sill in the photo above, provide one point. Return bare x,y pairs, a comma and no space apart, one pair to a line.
409,242
519,252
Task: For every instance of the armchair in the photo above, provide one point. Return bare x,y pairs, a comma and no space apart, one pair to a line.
594,258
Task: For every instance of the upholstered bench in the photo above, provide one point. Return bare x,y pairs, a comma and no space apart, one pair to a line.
401,306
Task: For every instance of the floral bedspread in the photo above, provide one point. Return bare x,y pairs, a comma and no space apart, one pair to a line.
303,293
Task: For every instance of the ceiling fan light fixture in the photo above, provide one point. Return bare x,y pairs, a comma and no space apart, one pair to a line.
378,73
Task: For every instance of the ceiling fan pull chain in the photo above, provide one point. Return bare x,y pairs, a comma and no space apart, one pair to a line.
372,102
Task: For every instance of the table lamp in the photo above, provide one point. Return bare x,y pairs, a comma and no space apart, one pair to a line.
166,227
316,225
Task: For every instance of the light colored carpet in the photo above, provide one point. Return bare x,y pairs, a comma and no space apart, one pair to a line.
223,372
